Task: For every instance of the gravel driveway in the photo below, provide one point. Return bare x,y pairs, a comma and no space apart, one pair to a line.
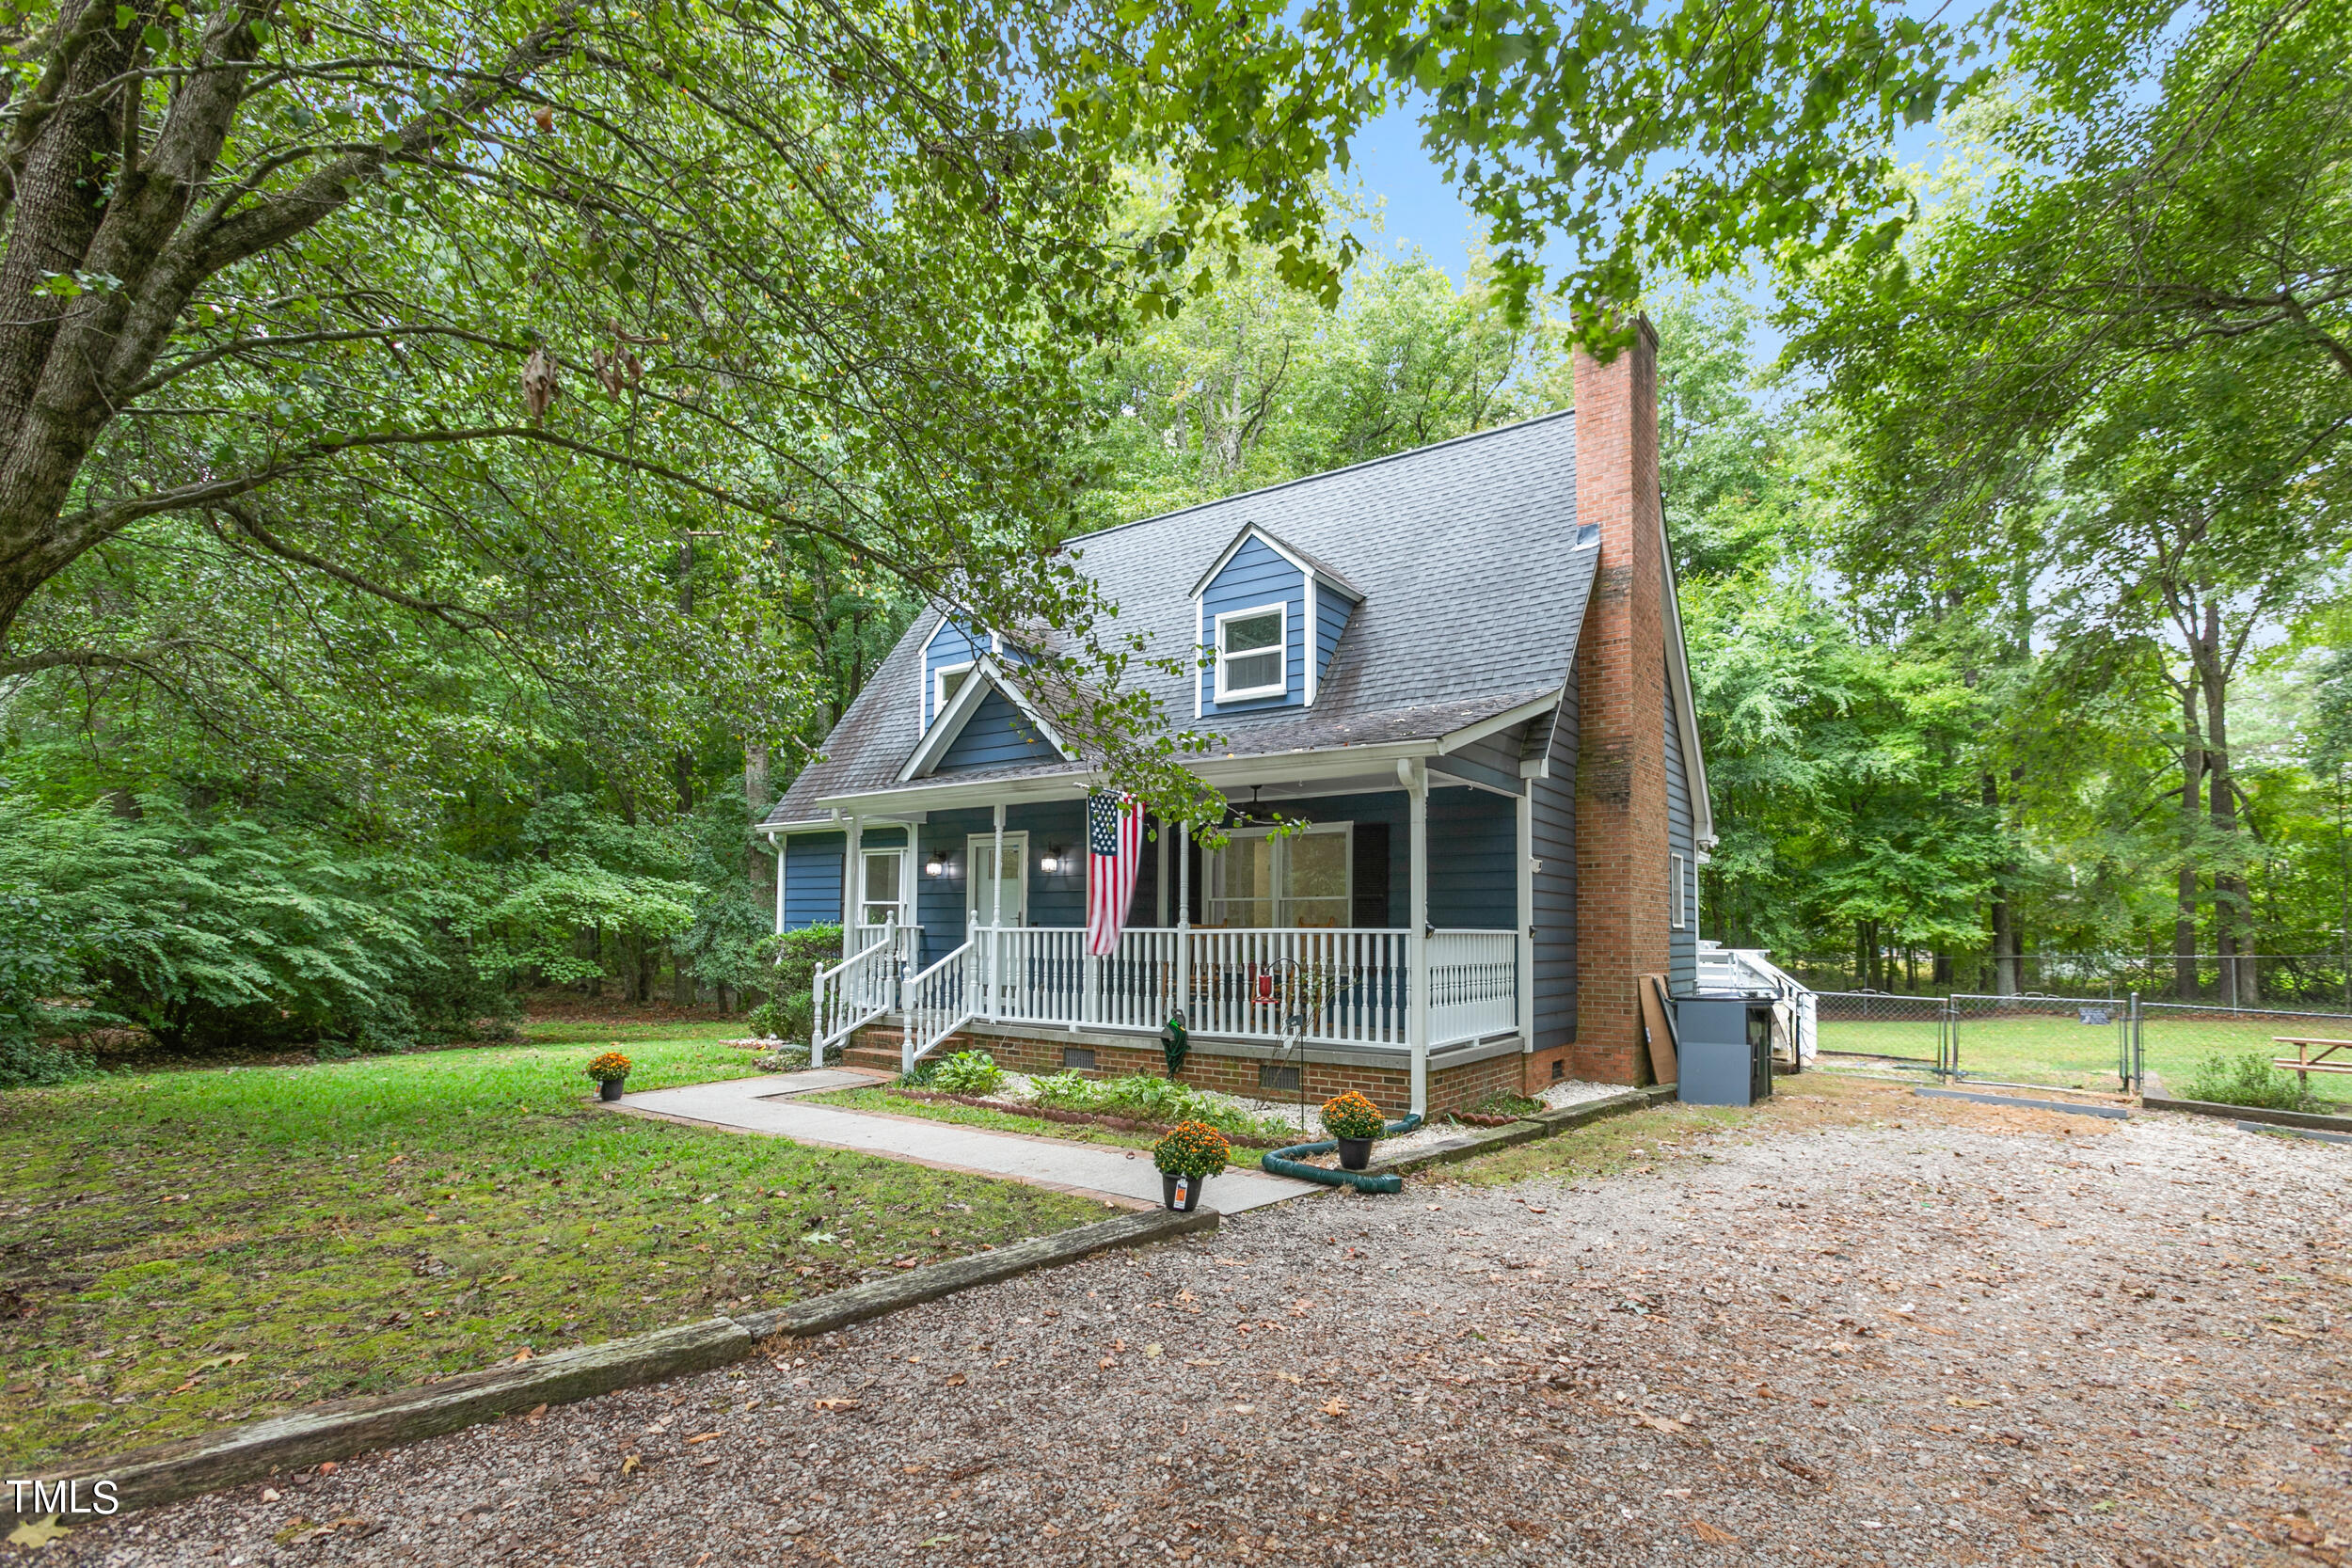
1867,1328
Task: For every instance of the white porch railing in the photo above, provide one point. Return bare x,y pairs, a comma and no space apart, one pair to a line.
908,938
853,993
1473,985
939,1003
1349,985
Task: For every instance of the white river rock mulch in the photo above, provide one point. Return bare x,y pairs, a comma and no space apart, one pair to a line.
1902,1333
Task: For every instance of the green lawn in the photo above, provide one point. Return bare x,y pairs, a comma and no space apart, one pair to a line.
1000,1121
2063,1052
185,1248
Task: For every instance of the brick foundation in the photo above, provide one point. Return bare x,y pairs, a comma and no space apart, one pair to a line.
1451,1088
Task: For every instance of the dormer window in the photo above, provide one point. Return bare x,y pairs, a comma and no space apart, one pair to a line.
945,681
1250,646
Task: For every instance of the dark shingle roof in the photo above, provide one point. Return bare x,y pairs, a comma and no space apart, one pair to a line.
1473,586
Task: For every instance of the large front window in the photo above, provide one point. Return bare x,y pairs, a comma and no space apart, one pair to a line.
1249,652
1295,879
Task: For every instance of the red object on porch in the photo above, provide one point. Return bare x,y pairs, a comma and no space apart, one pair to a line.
1263,988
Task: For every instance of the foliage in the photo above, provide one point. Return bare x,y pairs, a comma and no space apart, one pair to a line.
608,1067
36,966
967,1073
1143,1098
2248,1078
1192,1148
1351,1116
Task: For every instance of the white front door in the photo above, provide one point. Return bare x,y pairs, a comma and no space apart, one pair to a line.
983,887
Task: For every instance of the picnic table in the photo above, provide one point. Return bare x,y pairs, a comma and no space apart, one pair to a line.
2304,1063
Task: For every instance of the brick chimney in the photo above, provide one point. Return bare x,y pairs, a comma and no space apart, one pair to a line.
1621,868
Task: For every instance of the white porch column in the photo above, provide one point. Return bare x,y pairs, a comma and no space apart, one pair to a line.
1159,876
1526,807
850,849
997,917
1415,776
1183,923
912,958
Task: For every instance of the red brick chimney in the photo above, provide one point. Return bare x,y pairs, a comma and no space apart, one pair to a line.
1621,868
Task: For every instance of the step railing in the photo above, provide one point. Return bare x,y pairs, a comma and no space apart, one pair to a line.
853,993
939,1002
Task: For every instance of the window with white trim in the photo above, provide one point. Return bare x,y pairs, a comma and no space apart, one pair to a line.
1680,903
1300,879
879,903
1252,649
945,682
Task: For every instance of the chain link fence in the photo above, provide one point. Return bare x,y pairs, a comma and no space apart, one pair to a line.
1870,1029
2175,1037
2253,980
2043,1043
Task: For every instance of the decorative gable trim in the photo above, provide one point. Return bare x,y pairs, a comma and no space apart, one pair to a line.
1316,570
987,675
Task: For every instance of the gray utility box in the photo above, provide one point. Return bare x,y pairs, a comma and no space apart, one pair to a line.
1724,1043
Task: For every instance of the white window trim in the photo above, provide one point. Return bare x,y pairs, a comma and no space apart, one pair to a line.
1214,870
1681,872
939,685
895,903
1281,610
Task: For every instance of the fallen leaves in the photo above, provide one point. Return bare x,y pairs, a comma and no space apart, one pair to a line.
1713,1535
1959,1404
631,1464
1333,1406
33,1534
836,1405
702,1437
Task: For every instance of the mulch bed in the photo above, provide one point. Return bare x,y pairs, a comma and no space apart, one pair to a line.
1081,1118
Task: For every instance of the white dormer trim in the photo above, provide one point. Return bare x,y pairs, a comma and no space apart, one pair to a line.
987,675
1281,610
1312,639
1686,711
1316,570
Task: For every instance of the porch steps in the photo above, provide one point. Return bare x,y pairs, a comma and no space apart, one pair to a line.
880,1058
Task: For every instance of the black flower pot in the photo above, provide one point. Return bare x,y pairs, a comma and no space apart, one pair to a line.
611,1087
1355,1153
1182,1193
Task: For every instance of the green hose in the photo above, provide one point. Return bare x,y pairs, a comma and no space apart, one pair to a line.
1283,1162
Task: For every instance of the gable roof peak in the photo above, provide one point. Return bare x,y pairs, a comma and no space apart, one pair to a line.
1329,577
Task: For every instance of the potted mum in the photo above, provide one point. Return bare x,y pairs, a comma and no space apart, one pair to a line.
1355,1121
611,1069
1190,1153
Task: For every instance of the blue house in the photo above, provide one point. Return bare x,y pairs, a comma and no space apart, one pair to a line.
1461,668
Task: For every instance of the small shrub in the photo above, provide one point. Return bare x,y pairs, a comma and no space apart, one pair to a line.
968,1072
1191,1149
1351,1116
2248,1080
785,1017
922,1077
1067,1091
609,1067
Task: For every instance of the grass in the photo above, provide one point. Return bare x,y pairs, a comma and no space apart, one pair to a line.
182,1249
890,1103
2064,1054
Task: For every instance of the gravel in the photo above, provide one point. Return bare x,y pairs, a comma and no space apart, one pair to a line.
1925,1333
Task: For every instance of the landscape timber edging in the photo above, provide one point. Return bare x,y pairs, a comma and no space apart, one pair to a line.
1542,1124
2249,1112
2112,1113
2273,1128
342,1429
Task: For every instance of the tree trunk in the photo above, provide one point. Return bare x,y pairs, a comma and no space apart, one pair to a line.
2185,978
2231,906
2004,926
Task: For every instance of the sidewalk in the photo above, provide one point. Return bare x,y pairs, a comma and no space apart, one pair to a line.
768,1104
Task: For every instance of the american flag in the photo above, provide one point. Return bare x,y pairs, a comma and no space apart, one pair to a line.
1114,855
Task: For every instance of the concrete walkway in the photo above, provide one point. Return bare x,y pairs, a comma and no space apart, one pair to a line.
768,1104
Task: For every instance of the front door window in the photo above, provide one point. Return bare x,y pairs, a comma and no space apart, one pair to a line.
982,888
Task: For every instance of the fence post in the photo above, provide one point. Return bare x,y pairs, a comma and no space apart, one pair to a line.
2140,1053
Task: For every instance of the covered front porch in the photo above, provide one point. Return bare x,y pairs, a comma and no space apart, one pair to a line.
1366,923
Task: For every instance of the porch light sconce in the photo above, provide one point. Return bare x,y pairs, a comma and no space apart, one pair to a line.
935,866
1054,861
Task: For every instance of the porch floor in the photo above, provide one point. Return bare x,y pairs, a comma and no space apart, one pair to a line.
767,1105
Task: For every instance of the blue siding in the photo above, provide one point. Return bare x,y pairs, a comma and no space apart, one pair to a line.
1332,616
812,880
1473,839
1552,838
950,646
1682,946
1056,901
1256,576
997,734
